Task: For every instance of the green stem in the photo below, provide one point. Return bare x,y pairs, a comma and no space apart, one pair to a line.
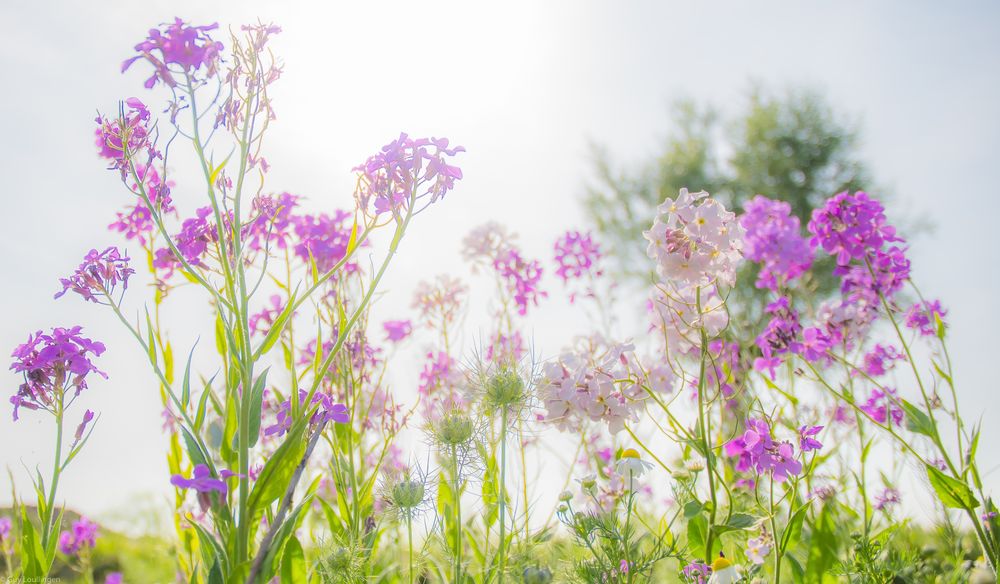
458,514
47,525
409,539
706,439
774,534
502,495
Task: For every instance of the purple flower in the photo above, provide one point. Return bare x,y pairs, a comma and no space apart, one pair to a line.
506,348
848,226
87,417
131,132
923,317
397,330
806,440
890,269
273,222
327,410
522,278
196,233
404,172
52,363
881,407
83,533
774,240
114,578
5,525
98,275
202,480
324,239
888,498
758,451
779,337
261,322
576,256
880,360
137,222
187,48
440,384
696,573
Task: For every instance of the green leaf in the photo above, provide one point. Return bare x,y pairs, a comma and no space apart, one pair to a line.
256,399
697,532
277,472
277,328
186,391
212,552
952,493
220,335
293,562
791,398
738,522
692,508
194,450
793,530
916,420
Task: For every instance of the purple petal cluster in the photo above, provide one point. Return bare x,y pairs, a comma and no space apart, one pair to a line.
880,359
5,525
202,480
522,277
848,225
441,384
83,533
807,438
327,410
882,407
888,498
272,223
757,450
397,330
406,171
923,316
779,337
98,275
193,240
323,238
506,348
576,255
260,322
774,240
51,364
178,49
696,573
128,135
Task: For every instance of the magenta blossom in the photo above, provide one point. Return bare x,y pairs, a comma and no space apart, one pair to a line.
326,411
98,275
887,499
82,534
121,140
696,573
779,337
882,406
522,278
774,240
5,525
261,322
202,480
114,578
576,256
397,330
506,348
178,49
923,317
880,359
273,222
758,451
807,440
88,416
323,239
52,364
849,226
193,241
406,172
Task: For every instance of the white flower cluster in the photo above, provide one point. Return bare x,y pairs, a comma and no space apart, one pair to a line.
597,382
695,241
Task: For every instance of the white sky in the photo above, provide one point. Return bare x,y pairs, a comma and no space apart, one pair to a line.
525,86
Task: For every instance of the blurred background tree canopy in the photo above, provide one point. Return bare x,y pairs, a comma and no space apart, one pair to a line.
790,146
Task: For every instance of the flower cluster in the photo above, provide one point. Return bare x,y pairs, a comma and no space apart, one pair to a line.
137,221
695,240
880,359
192,242
759,451
774,240
326,411
923,317
674,313
52,365
522,278
324,239
597,383
83,533
397,330
178,49
439,301
848,226
882,407
576,256
272,222
98,275
442,385
121,139
780,336
404,172
485,243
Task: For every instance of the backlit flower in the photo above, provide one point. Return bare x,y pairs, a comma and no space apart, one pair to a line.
178,49
98,275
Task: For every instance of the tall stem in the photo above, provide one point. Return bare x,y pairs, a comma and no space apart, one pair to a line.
458,514
706,439
409,539
502,494
56,466
774,534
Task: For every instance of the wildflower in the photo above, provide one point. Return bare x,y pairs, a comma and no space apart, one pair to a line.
923,317
724,571
880,359
757,550
439,301
122,140
695,464
630,465
273,222
87,417
886,499
114,578
326,411
566,496
504,388
261,322
848,226
576,255
694,240
675,315
202,480
661,378
441,384
889,270
138,222
83,533
696,573
506,348
757,450
773,239
406,491
406,171
397,330
53,364
98,275
323,239
824,493
5,525
882,407
192,242
187,48
522,278
779,337
485,243
806,440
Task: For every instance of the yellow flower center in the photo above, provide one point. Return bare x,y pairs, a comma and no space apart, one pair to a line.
630,453
720,564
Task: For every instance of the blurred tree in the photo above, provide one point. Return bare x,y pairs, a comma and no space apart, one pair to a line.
790,146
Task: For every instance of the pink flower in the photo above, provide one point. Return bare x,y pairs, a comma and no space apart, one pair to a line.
187,48
82,534
397,330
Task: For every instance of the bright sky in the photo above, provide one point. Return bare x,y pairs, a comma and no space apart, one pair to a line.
525,86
